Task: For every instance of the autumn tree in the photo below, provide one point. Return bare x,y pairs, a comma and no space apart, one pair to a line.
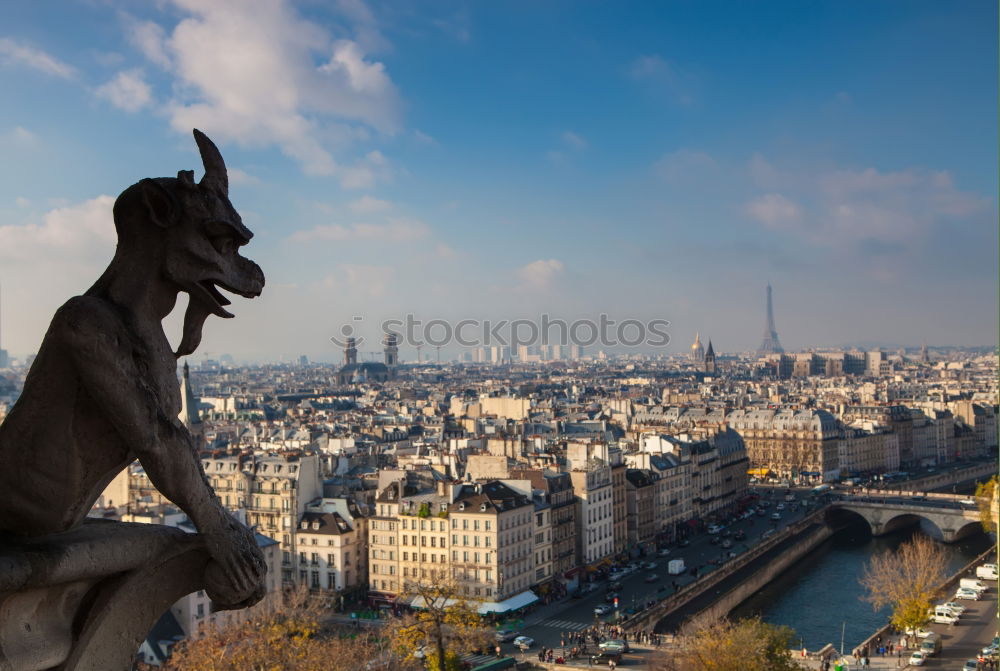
290,638
444,623
712,644
985,491
908,580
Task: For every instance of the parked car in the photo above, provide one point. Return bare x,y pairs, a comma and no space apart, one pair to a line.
919,632
967,594
506,636
953,606
524,642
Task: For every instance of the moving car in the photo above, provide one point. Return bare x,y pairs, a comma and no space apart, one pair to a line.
524,642
614,645
649,565
917,658
602,610
775,516
610,596
663,552
605,659
714,528
652,577
727,544
970,665
506,636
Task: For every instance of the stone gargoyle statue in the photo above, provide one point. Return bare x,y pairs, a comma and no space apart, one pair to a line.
103,388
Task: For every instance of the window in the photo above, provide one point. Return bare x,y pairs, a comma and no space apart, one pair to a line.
475,525
487,525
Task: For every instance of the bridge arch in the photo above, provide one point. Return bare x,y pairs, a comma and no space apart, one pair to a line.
883,521
967,529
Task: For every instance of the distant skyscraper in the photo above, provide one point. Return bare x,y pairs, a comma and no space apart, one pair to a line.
697,351
390,348
771,345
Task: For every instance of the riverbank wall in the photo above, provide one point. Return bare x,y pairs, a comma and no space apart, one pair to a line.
977,472
724,588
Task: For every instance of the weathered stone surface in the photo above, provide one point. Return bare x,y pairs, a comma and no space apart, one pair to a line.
102,392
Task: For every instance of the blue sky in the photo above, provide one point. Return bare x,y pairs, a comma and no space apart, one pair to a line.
501,160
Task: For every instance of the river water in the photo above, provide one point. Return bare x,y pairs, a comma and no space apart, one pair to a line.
821,594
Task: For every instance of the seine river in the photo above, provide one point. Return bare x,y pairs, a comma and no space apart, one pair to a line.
821,593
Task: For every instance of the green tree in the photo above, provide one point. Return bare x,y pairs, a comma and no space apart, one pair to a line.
444,624
724,645
908,580
985,491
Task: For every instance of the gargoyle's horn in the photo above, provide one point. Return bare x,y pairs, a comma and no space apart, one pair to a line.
216,178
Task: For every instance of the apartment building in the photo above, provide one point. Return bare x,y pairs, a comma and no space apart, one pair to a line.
790,442
332,539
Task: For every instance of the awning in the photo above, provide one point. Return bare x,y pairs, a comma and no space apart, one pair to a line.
515,602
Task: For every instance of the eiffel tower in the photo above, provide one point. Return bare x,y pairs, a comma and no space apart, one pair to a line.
771,345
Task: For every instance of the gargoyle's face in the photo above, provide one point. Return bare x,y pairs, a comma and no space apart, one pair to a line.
202,252
201,247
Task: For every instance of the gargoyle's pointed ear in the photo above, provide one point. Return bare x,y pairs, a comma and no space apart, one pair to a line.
216,178
159,203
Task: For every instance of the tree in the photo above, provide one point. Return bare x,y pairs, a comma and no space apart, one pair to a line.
708,644
444,624
908,580
985,491
291,638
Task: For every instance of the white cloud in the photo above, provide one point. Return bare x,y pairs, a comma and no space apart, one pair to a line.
539,274
63,233
258,73
774,210
368,280
683,163
574,141
22,136
50,258
239,177
396,230
151,40
17,53
665,76
368,204
127,91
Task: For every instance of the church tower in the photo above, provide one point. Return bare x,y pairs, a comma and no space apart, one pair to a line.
710,359
189,408
350,352
391,349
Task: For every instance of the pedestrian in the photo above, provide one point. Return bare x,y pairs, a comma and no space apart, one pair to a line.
498,651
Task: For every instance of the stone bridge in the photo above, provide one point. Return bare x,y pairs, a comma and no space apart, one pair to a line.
954,522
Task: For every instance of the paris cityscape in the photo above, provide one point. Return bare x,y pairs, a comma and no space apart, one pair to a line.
591,335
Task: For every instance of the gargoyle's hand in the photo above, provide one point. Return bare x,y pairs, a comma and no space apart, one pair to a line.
234,577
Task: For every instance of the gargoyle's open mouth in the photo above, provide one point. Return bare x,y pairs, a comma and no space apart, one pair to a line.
208,293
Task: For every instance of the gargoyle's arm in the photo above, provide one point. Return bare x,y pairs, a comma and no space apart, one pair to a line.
107,371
